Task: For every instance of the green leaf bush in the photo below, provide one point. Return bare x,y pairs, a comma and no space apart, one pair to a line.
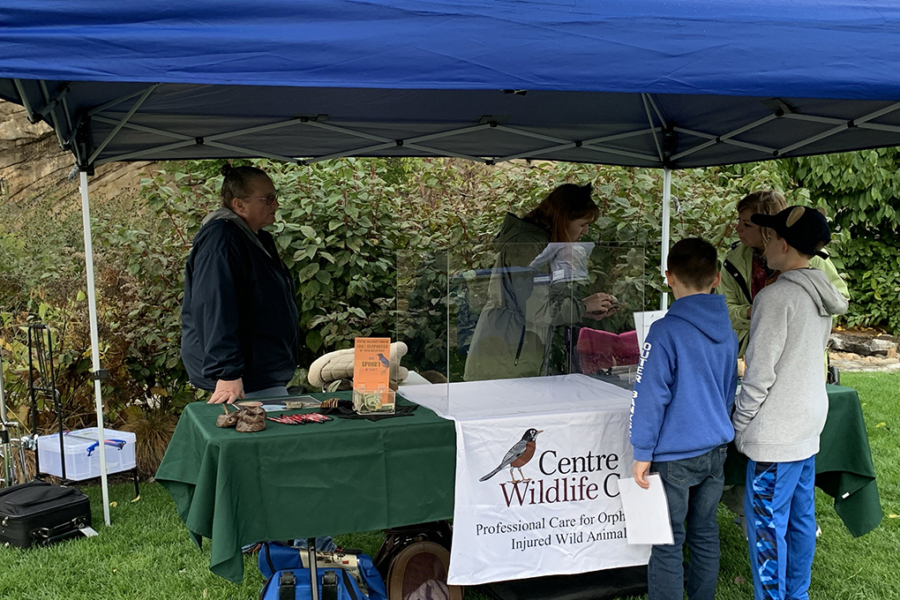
368,242
861,190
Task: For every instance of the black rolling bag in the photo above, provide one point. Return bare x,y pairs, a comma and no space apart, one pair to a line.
38,513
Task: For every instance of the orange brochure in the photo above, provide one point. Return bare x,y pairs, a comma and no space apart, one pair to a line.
372,364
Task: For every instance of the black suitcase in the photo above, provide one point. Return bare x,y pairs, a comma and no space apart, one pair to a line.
38,513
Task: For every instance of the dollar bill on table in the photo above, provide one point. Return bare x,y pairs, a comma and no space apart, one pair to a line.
374,401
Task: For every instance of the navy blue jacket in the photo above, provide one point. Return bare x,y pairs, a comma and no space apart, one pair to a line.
239,317
685,384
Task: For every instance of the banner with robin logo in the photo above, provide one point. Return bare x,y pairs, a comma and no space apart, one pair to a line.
537,487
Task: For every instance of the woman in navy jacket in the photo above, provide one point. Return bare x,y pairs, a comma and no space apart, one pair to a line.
239,320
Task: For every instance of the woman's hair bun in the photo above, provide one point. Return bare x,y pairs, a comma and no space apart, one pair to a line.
226,169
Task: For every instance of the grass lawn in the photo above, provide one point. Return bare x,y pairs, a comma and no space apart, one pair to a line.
146,553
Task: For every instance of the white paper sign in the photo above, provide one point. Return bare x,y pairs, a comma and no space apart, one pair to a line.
643,321
646,511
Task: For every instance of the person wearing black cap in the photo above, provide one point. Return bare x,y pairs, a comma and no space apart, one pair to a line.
782,406
744,270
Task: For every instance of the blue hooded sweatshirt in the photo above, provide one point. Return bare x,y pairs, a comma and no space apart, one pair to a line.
685,383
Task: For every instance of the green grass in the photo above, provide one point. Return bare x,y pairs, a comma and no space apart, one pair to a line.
146,553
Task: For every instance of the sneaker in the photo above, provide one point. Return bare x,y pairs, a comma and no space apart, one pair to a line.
251,548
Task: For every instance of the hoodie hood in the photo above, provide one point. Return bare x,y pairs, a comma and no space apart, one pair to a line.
706,312
516,231
226,214
827,298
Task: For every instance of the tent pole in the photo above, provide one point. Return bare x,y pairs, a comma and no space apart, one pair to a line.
664,250
95,338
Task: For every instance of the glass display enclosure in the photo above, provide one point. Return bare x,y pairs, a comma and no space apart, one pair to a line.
529,321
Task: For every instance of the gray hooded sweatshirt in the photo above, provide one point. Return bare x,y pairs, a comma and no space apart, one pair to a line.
782,406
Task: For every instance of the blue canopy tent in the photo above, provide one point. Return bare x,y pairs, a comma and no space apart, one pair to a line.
679,84
685,83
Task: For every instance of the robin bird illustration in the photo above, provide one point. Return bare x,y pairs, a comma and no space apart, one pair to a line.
384,361
518,456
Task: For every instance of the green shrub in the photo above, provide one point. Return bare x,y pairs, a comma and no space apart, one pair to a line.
360,233
861,191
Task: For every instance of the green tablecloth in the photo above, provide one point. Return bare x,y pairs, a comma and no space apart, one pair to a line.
305,480
844,468
355,475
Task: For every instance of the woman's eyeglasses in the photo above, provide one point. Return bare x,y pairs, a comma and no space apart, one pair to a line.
269,200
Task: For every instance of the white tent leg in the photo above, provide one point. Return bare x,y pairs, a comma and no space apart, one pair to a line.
664,251
95,338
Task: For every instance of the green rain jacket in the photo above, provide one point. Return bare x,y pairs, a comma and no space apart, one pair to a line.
513,333
738,302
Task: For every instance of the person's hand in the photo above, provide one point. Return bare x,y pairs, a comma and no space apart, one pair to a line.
227,391
600,305
640,470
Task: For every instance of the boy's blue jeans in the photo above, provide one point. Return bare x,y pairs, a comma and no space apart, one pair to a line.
693,489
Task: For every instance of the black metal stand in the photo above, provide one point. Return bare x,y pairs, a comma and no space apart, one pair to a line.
137,490
42,383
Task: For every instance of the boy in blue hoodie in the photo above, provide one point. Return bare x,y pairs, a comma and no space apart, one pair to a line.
680,419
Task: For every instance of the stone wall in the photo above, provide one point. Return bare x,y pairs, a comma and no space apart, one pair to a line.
32,165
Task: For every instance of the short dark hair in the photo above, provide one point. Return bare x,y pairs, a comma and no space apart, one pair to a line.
694,262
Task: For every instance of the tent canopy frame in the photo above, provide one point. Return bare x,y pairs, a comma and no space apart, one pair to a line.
73,131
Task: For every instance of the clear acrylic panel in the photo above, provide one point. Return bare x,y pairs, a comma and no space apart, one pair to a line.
520,311
422,322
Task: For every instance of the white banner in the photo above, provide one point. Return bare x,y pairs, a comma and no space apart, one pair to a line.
537,494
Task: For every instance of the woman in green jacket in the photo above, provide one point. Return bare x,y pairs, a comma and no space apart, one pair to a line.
744,271
531,287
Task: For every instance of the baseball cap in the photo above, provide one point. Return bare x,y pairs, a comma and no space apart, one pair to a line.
804,228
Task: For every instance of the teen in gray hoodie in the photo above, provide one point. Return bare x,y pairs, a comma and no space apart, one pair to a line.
781,409
783,403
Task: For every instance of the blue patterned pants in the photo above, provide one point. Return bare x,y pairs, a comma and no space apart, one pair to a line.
781,527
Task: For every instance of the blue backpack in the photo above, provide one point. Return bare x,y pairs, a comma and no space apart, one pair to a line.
288,579
294,584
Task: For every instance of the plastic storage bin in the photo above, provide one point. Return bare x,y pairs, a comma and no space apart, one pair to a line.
82,455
